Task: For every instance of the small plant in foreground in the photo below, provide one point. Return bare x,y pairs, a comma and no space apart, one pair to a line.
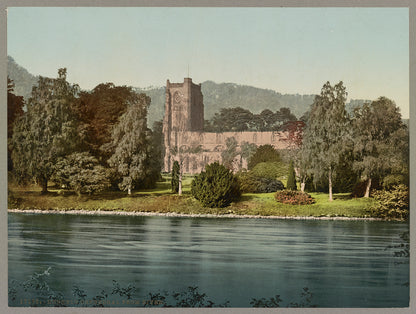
293,197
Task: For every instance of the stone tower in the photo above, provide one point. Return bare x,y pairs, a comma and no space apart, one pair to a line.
184,112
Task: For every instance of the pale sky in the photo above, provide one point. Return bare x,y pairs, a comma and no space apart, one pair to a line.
289,50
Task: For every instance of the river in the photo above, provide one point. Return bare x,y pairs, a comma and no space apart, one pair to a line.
342,263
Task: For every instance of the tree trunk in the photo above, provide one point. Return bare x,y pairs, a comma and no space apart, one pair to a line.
44,186
129,190
330,184
367,189
302,185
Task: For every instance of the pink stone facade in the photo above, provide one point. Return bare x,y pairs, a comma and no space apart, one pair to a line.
185,139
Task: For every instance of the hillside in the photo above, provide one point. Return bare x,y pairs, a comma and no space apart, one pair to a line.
216,96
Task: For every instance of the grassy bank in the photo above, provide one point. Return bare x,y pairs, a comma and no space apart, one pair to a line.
161,200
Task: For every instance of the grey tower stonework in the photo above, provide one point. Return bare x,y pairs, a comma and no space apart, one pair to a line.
184,136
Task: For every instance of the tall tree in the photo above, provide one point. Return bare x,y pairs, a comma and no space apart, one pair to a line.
99,111
131,144
229,153
46,131
246,151
14,111
326,133
380,138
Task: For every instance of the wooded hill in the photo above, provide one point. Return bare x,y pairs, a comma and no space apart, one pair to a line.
216,96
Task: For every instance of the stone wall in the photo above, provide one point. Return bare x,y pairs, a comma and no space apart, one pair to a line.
196,149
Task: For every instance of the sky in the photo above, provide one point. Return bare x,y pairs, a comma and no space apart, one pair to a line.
289,50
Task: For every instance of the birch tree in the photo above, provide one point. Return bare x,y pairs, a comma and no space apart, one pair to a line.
379,139
326,133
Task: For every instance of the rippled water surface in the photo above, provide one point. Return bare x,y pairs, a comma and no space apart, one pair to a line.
343,263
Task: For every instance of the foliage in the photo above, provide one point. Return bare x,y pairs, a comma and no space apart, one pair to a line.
263,302
291,178
306,301
14,111
216,186
392,204
380,139
293,197
239,119
246,151
389,181
99,111
175,176
264,153
229,153
270,170
157,148
82,173
46,131
250,183
360,187
131,142
326,135
12,200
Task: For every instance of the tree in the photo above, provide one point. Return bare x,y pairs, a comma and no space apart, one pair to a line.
232,119
229,153
216,186
175,176
380,139
99,111
131,144
246,151
14,111
46,131
264,153
291,179
326,135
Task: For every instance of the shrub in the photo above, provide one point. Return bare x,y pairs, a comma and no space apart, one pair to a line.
216,186
12,200
271,170
291,178
81,172
392,180
392,203
293,197
175,177
264,153
249,183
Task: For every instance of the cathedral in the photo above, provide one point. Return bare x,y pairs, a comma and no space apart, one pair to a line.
186,141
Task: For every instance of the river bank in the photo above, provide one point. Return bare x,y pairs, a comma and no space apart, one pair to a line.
173,214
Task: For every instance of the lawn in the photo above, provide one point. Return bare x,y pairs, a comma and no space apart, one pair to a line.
162,200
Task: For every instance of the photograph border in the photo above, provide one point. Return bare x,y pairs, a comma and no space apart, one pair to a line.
411,4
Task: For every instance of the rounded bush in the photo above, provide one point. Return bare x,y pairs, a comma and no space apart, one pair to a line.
216,186
393,203
249,183
271,170
293,197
